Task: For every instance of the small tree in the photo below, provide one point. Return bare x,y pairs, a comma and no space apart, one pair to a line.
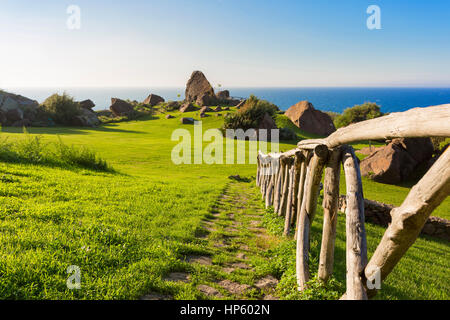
358,113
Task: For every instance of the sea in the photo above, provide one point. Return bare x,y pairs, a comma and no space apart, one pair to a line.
325,99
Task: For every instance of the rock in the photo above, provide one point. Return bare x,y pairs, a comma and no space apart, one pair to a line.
310,120
153,100
87,104
187,121
241,104
223,95
226,109
234,287
218,109
198,89
420,149
120,108
15,108
187,107
206,109
206,100
172,105
87,118
395,162
169,116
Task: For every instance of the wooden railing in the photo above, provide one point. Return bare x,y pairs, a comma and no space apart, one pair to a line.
290,182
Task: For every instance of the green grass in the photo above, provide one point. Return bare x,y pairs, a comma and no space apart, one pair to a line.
128,228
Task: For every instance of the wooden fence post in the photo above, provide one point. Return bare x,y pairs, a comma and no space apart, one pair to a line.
356,245
330,213
307,212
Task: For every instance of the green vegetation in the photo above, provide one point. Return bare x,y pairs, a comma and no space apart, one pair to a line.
61,108
250,115
128,230
32,150
357,113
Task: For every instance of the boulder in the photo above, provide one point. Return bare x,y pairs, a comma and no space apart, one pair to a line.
87,118
207,100
198,89
14,108
223,95
169,116
153,100
218,109
395,162
308,119
87,104
172,105
120,108
187,107
187,121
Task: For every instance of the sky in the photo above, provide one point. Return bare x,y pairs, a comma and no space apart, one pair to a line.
236,43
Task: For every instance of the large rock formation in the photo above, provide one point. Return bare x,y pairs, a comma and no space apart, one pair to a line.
395,162
87,104
17,110
120,108
153,100
224,95
310,120
199,90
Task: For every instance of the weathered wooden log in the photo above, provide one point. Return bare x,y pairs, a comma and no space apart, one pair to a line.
409,219
285,189
330,213
307,213
258,170
278,186
289,202
301,187
433,123
270,185
356,244
299,159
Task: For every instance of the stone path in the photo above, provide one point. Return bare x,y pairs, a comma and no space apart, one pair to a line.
237,241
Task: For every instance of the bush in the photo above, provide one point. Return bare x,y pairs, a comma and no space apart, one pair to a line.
358,113
31,150
250,115
62,108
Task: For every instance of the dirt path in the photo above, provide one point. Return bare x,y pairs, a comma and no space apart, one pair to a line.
236,267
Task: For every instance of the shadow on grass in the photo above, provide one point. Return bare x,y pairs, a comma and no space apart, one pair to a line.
110,127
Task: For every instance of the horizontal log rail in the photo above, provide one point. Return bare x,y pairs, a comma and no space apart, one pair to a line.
290,182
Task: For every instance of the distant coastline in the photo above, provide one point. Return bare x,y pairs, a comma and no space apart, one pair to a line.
325,99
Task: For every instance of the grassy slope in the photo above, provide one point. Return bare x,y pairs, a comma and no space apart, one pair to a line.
124,230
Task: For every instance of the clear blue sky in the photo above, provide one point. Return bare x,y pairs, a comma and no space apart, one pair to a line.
235,42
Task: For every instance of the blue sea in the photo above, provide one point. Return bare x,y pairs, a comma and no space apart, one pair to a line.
325,99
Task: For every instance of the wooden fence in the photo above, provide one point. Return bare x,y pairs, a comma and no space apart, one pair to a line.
291,182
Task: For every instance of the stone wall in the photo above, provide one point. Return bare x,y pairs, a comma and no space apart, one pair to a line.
379,213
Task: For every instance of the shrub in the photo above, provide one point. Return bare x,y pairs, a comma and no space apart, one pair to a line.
62,108
32,150
358,113
250,115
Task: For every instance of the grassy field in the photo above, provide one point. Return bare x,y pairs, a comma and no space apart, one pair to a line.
129,228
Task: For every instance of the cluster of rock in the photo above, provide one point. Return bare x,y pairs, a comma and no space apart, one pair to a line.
16,110
396,162
19,111
380,214
200,92
308,119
